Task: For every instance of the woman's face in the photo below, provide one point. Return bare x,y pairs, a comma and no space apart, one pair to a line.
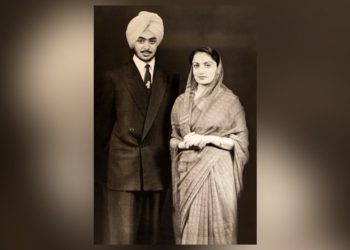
204,68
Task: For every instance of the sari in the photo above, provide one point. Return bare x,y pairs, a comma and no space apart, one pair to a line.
207,182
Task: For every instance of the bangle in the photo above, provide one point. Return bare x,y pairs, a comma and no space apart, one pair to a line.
221,141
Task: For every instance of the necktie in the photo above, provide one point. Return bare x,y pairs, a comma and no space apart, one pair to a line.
147,79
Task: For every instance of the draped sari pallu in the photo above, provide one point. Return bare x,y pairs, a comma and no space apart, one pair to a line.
207,182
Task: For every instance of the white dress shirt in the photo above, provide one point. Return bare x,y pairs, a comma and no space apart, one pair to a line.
141,66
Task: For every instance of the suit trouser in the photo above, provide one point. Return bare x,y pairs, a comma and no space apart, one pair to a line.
133,217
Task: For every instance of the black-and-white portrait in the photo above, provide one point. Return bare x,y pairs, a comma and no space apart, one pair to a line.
134,123
175,125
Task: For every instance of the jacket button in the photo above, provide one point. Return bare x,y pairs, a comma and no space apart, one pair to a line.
131,130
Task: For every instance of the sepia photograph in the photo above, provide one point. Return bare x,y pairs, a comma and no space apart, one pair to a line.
207,124
175,125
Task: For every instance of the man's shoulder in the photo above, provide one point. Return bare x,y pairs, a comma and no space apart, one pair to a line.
119,70
123,67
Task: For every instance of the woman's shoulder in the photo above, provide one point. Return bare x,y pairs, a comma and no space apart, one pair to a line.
178,103
228,94
180,98
177,107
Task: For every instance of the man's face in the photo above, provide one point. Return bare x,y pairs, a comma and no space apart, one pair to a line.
146,46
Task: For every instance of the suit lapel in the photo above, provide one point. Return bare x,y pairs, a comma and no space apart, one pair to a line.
159,87
135,86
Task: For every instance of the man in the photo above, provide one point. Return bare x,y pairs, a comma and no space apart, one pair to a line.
141,98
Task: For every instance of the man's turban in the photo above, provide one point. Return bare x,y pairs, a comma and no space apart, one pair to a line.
144,21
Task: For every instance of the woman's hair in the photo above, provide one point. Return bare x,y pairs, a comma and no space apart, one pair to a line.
212,52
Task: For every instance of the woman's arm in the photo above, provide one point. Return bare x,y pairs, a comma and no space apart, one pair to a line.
221,142
201,141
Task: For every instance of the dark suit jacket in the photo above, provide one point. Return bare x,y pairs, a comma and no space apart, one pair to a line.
138,156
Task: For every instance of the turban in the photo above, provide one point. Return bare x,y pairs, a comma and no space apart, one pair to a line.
144,21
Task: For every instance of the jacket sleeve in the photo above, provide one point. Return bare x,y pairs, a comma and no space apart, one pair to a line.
107,109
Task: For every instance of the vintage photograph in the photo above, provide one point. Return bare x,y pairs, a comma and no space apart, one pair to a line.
175,125
204,124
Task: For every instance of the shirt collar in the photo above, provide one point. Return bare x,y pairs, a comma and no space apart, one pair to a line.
141,64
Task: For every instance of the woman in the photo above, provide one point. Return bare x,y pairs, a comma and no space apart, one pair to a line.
209,148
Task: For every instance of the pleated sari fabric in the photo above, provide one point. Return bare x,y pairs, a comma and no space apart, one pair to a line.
207,182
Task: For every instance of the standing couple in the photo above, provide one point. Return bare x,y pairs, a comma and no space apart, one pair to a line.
206,130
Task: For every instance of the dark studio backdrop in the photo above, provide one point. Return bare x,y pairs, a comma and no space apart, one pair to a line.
230,29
